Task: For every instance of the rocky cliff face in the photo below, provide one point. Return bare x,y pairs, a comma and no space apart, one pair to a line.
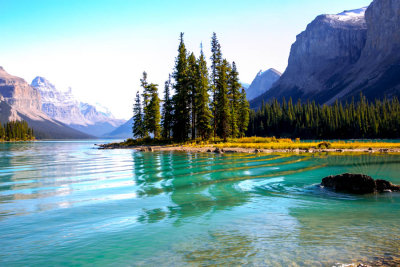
339,56
17,93
63,107
262,83
57,104
377,72
20,101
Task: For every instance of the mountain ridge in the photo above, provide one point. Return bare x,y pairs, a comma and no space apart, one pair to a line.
20,101
339,56
62,106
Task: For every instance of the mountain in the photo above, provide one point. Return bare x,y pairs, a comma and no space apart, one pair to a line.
245,85
63,106
20,101
262,83
124,131
339,56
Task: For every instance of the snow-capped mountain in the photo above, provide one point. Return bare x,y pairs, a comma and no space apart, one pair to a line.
64,107
20,101
351,15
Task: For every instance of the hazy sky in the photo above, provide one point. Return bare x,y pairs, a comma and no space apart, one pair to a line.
100,48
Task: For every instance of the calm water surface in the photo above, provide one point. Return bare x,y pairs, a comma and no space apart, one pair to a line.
67,203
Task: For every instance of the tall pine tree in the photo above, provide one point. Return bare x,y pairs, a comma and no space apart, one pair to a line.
243,113
222,110
167,113
234,97
193,84
181,98
151,107
204,114
138,126
216,60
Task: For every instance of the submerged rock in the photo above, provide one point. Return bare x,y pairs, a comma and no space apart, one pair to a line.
357,184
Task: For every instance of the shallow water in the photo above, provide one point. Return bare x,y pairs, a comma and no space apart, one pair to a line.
67,203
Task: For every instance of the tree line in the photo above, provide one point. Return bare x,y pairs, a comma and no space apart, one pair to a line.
361,119
16,131
204,104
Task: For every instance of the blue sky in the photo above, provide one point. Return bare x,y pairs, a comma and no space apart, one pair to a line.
100,48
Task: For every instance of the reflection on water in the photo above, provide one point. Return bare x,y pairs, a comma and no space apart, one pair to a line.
66,203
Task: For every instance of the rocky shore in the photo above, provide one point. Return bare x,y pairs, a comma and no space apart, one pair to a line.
218,150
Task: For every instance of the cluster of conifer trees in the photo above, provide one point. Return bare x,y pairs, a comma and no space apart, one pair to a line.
361,119
202,106
16,131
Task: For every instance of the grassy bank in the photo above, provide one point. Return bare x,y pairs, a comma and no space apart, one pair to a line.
270,143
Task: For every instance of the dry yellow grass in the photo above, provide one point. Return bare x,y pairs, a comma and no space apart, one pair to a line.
274,143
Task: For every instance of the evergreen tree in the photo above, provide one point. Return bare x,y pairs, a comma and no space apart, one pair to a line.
204,114
181,98
308,120
146,102
222,110
151,108
154,111
193,84
243,114
138,125
167,115
16,131
216,61
234,97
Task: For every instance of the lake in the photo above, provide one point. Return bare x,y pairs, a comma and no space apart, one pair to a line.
67,203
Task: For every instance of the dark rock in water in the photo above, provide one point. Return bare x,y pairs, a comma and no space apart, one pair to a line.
386,186
219,151
357,184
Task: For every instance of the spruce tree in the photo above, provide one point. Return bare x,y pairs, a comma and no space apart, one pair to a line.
222,110
243,113
146,101
154,111
234,97
193,84
216,60
151,108
138,126
204,114
167,112
181,126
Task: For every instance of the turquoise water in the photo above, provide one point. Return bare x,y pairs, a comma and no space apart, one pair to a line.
67,203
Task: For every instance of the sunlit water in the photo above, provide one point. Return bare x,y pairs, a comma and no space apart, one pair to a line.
67,203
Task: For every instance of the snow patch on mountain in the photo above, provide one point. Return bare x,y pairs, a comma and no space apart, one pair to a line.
64,107
347,18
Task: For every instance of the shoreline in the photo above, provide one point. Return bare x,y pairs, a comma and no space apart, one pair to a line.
221,150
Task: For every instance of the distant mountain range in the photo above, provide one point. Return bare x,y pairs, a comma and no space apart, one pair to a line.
20,101
62,106
262,83
53,114
339,56
122,132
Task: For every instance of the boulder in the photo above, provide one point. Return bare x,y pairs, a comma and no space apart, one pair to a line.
219,151
357,184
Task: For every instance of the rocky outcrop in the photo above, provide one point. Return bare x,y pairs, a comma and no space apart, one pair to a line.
357,184
62,106
17,93
339,56
20,101
262,83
